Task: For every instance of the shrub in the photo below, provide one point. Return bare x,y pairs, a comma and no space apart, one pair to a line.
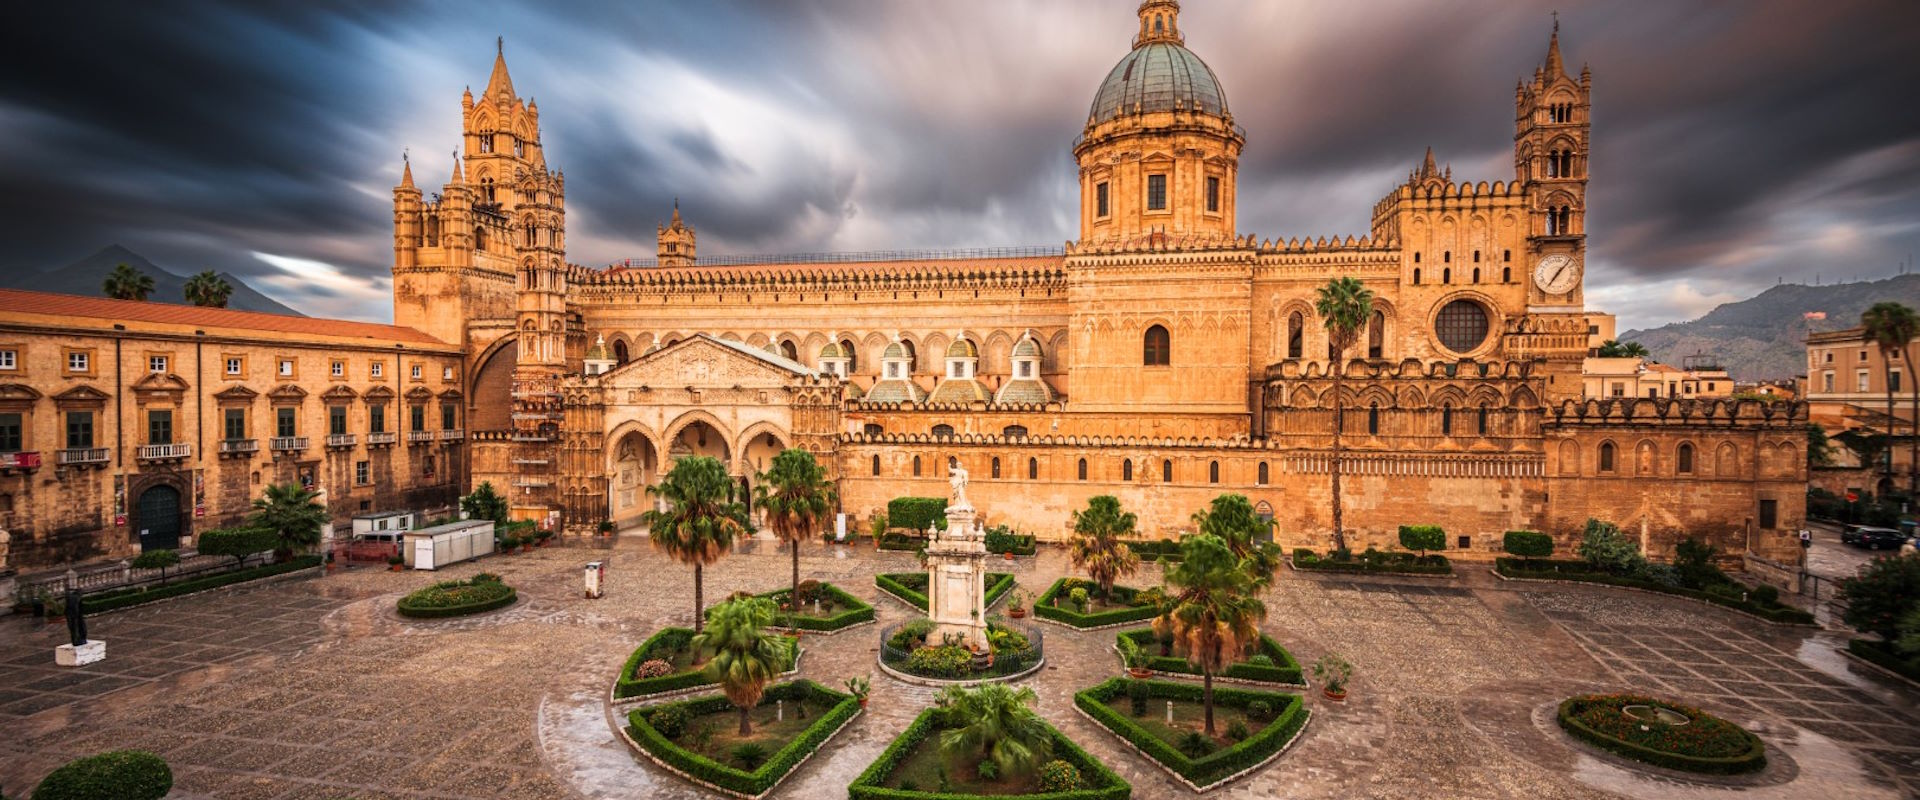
726,776
1705,744
1766,595
486,577
671,721
1260,660
749,755
1195,745
1054,605
1422,538
485,503
156,559
653,668
916,513
1650,577
1527,544
807,590
1237,731
1884,591
1002,539
1079,599
987,770
1603,547
1693,561
236,542
456,599
910,635
1222,763
1138,692
940,662
1260,711
1058,776
118,774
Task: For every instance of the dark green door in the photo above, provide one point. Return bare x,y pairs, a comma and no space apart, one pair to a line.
159,518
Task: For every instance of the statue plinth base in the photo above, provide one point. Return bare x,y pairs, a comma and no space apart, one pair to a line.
67,655
956,581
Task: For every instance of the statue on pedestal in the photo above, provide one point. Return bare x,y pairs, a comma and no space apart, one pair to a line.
956,568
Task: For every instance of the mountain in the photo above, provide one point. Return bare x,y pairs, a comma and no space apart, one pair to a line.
85,276
1765,337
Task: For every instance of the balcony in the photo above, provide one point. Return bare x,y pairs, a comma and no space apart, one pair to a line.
452,435
287,444
419,437
25,461
177,451
341,440
82,457
529,436
382,438
239,448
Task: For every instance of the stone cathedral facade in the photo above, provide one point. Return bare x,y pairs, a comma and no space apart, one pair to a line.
1164,355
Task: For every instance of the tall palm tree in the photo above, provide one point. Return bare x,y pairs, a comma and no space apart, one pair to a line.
1096,545
208,290
127,283
995,722
700,522
1345,305
1215,615
293,512
745,656
1612,348
1892,326
1232,518
798,498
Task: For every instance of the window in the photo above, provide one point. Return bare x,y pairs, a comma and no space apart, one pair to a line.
376,418
79,361
943,431
1025,369
1296,334
236,365
1464,543
284,422
286,368
1213,193
1461,326
996,466
235,423
1157,347
1373,419
79,430
449,416
9,360
1893,382
1014,431
417,372
1126,470
876,465
1100,202
1166,470
1683,459
1506,274
486,143
893,370
1446,256
1769,513
446,373
1483,419
1083,469
157,364
417,418
160,426
1446,420
11,433
1446,275
1033,469
1376,335
337,420
338,369
376,369
1156,192
1860,379
1827,381
1476,274
1261,474
360,474
1213,472
916,466
872,429
1606,456
1416,276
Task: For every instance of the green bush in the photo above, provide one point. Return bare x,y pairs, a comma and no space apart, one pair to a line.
1603,547
1001,539
671,721
122,598
1585,572
1238,731
1058,776
1221,764
912,586
114,775
1527,544
1884,591
237,543
776,767
1079,598
456,599
1280,666
1373,561
1138,692
1195,745
1045,607
1260,710
1706,744
1885,655
1097,782
156,559
1693,561
916,513
749,755
1422,538
853,610
1766,595
1154,549
662,645
940,662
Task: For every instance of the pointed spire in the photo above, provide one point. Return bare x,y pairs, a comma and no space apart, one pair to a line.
456,179
1555,67
1427,169
406,170
499,86
676,212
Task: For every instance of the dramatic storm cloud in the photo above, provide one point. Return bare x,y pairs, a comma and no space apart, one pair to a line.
1735,144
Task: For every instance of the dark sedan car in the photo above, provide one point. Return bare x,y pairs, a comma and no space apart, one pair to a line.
1872,538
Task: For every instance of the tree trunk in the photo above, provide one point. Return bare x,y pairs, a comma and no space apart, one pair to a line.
699,603
1913,430
1339,423
746,725
793,595
1207,696
1886,357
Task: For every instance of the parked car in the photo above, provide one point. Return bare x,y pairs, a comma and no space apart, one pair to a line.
1872,538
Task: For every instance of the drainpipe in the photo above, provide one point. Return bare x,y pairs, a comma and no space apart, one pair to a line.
199,404
119,404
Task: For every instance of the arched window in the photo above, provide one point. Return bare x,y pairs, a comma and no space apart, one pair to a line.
1033,469
1014,431
943,431
1476,256
1296,335
620,352
1159,25
1446,275
1446,420
1376,335
1416,276
532,235
872,429
1157,347
1606,456
1506,274
479,237
1213,472
1683,458
1083,469
1476,274
1166,471
1126,469
787,349
916,466
1416,258
853,359
876,465
1373,419
1483,419
996,466
1261,475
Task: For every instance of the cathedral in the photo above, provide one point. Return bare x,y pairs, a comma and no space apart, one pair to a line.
1163,356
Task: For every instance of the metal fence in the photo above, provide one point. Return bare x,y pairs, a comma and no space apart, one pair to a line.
1824,599
858,257
1004,662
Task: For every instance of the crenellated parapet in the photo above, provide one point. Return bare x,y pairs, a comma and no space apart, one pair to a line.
1714,412
1040,272
1406,369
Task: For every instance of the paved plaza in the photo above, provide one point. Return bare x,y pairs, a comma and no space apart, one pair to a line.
315,688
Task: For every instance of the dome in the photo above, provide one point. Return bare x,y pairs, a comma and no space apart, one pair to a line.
895,350
598,352
1160,76
832,350
1027,348
962,348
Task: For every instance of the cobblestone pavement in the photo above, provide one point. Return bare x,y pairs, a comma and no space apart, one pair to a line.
316,689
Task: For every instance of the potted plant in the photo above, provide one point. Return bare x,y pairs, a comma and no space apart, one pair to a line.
507,543
1138,663
395,563
859,688
330,564
1017,607
1333,672
606,527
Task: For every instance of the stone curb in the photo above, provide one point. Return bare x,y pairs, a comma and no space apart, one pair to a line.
641,751
284,576
805,632
1216,679
1348,573
674,694
937,683
1072,627
1216,784
1880,669
1814,625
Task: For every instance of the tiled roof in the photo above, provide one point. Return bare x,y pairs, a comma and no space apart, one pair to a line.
1025,390
896,390
66,310
960,390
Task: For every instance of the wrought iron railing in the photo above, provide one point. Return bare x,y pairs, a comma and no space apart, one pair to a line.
155,452
1005,662
856,257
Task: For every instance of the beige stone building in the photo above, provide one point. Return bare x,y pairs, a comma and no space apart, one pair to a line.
1641,377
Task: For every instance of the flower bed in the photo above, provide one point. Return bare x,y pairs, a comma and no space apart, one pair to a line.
905,648
1882,655
1097,782
912,586
678,752
850,610
1045,606
1373,561
1288,716
670,645
1279,666
1544,570
1705,743
124,598
458,598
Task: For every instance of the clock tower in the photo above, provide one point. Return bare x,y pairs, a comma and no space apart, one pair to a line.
1552,129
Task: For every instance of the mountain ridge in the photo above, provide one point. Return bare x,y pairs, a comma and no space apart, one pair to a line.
85,276
1764,337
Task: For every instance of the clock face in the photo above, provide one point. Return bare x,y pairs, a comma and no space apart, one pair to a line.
1556,274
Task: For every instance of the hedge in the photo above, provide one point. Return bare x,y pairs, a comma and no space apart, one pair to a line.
1882,654
1527,544
117,774
857,611
901,585
1386,563
1423,538
236,542
896,541
664,642
725,776
1154,549
1001,540
916,513
1283,670
1584,572
486,596
1215,767
123,598
1045,609
1099,782
1753,759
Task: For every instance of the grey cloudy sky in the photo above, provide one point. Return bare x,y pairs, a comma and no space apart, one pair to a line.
1736,143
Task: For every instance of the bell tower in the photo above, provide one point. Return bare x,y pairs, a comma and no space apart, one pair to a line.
1552,131
676,241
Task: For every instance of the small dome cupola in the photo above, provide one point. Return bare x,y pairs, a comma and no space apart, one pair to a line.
1159,22
833,361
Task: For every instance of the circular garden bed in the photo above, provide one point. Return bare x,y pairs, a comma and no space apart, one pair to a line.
908,650
1662,734
484,592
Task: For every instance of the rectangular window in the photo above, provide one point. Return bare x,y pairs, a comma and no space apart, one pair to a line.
417,372
339,369
1893,381
360,473
377,418
79,361
446,373
160,426
417,418
9,360
1769,513
1156,192
157,364
79,430
336,420
1100,202
286,368
236,423
1026,369
376,369
1213,194
1827,382
1861,379
12,432
236,365
449,418
283,422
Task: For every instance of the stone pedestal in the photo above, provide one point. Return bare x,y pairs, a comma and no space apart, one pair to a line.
67,655
957,580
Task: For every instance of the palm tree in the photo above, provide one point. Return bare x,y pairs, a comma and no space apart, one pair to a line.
1231,517
1215,616
701,519
798,498
1096,545
1617,349
995,722
208,290
127,283
291,511
1892,326
745,656
1346,306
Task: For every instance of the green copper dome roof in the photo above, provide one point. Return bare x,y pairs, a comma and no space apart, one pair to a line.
1161,76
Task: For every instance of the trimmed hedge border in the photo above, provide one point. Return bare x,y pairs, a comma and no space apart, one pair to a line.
1044,609
119,774
443,612
998,585
1319,563
1217,768
626,687
1102,783
1154,549
643,739
1284,672
1754,759
858,611
1504,569
1877,654
126,598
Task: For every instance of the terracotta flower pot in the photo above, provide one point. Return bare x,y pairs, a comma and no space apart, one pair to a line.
1336,696
1009,556
395,567
863,702
1017,613
1139,673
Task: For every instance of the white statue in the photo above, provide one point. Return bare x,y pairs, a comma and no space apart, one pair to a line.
957,478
